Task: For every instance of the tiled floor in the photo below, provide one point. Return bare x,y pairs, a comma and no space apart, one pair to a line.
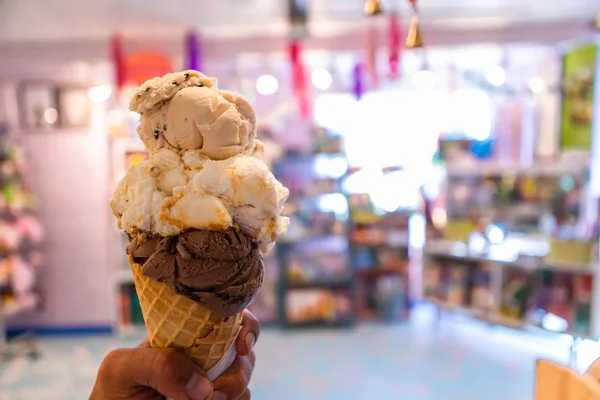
416,361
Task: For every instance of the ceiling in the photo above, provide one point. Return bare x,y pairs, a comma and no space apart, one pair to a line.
38,20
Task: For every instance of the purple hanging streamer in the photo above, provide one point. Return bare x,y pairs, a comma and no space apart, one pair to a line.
359,87
194,51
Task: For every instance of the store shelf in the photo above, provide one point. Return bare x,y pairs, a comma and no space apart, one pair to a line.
572,268
471,258
329,240
501,320
389,245
458,251
497,169
379,271
507,322
325,284
460,310
532,264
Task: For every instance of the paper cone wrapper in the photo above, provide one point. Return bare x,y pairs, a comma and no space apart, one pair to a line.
173,320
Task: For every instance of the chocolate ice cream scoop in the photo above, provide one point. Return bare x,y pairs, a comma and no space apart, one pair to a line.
222,270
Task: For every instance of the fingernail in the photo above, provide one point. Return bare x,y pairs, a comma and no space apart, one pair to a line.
219,396
199,387
250,340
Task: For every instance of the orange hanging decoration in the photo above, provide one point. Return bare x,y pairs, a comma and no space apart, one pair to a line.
414,40
373,7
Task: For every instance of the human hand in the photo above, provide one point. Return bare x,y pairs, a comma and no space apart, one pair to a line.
594,370
145,373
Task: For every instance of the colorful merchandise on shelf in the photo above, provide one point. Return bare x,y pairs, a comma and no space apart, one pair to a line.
21,234
390,297
482,297
582,312
379,251
314,252
567,298
318,306
519,199
265,304
579,66
433,280
456,286
516,292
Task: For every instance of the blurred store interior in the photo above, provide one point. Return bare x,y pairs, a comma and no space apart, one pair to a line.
442,161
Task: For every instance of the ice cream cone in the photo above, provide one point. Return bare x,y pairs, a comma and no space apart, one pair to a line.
198,211
173,320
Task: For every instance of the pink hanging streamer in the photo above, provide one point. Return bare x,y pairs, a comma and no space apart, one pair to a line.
299,78
118,59
395,45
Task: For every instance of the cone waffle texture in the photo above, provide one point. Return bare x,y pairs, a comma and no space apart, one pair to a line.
173,320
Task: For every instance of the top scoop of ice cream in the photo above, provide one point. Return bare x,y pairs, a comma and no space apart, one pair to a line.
186,111
221,270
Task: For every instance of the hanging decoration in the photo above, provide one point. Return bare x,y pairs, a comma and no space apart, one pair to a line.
394,45
193,51
118,59
373,7
358,81
372,46
414,40
299,78
139,67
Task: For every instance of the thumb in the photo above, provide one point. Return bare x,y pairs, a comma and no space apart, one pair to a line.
169,371
594,370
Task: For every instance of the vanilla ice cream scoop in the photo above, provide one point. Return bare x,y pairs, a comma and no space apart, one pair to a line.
186,111
202,118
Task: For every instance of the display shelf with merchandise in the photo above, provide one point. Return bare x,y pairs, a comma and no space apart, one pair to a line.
517,238
317,283
379,253
21,237
264,305
525,293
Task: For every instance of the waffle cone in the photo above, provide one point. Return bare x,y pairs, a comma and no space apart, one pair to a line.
173,320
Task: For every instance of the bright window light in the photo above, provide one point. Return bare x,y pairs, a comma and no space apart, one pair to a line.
423,79
50,115
537,85
468,111
267,85
335,203
337,112
495,75
321,78
330,167
494,234
99,94
554,323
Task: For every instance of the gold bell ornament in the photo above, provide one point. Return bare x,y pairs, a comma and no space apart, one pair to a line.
373,7
413,39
